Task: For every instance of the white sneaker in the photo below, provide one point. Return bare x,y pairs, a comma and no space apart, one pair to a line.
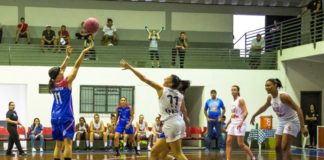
41,150
33,149
138,148
149,148
110,44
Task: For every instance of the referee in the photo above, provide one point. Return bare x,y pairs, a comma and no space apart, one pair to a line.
12,122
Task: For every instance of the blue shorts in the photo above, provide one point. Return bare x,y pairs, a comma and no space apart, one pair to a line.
62,129
162,135
121,127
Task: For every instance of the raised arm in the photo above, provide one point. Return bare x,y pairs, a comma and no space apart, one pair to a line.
77,64
69,50
261,110
147,29
156,86
285,98
162,28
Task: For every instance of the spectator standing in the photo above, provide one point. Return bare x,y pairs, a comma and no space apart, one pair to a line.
1,31
110,33
312,122
181,45
255,53
154,37
214,110
316,7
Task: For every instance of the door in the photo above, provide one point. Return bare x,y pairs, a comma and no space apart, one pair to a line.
311,97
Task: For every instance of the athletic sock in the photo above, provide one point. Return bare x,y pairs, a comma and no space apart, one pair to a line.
78,143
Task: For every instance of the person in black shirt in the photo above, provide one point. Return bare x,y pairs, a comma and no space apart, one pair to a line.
12,122
48,38
0,32
315,6
181,45
312,122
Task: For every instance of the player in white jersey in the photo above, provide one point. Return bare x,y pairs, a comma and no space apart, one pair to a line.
290,117
236,125
172,108
142,132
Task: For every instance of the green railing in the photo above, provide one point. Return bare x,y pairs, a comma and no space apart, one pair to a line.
208,58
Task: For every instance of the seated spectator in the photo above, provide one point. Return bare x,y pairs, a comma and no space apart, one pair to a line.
97,131
91,55
111,127
36,132
156,129
82,34
48,38
257,46
110,36
154,37
63,37
181,45
1,32
22,31
142,132
82,133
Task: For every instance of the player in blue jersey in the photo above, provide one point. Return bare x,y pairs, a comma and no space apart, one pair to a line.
62,111
125,116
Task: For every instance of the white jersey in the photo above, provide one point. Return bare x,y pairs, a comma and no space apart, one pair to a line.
83,128
170,103
237,112
96,126
141,126
283,111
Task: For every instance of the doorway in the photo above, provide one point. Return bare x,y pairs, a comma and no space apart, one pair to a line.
311,97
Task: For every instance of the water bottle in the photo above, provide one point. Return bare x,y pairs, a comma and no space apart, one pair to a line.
257,125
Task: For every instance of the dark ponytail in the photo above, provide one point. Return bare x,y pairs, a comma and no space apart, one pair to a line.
238,89
53,72
178,84
276,81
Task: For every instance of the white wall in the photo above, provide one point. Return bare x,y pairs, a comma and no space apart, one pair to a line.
146,102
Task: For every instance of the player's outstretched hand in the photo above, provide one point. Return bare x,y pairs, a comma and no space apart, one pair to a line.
124,64
69,50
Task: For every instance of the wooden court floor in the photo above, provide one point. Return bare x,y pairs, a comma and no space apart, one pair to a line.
298,154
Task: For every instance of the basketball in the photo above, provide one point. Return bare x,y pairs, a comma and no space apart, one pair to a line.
91,25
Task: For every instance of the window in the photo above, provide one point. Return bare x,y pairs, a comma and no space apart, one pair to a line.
43,89
103,99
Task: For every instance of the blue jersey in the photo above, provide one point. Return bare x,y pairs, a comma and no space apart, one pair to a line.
213,108
124,113
38,129
62,106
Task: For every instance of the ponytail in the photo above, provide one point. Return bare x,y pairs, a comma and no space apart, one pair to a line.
53,72
178,84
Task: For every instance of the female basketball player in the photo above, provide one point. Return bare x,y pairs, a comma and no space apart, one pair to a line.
125,117
236,125
172,107
290,116
62,111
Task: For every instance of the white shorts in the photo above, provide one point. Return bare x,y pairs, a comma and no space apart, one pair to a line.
291,128
233,131
174,129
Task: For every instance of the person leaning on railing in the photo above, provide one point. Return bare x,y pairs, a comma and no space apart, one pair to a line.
315,6
255,53
181,45
0,32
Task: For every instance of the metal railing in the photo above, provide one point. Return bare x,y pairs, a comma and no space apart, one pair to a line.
290,33
207,58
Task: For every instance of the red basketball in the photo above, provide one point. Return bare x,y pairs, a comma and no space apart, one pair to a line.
91,25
